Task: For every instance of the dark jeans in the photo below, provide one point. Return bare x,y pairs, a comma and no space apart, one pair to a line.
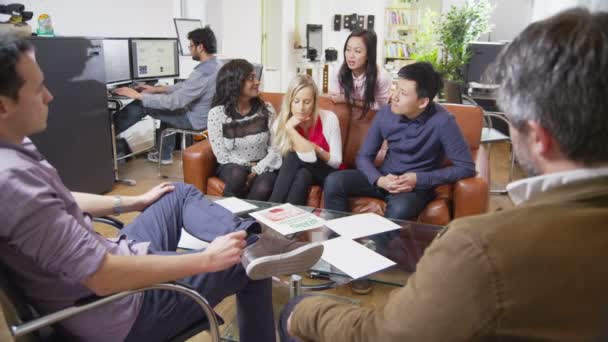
135,111
295,179
402,206
235,179
164,314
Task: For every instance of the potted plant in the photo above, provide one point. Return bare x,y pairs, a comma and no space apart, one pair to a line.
442,40
426,39
459,27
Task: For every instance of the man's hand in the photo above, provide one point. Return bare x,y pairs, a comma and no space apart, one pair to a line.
126,91
407,182
397,184
387,182
145,88
250,179
144,200
225,251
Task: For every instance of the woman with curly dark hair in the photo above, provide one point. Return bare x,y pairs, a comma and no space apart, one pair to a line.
239,132
359,82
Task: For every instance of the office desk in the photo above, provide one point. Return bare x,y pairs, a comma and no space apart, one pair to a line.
116,103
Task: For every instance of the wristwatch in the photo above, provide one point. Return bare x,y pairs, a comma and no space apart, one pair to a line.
117,208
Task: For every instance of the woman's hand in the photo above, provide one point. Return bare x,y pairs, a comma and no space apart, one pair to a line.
293,122
250,179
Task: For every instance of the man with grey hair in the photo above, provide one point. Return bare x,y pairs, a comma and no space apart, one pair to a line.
537,271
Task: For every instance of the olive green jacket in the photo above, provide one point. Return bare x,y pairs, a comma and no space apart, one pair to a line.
538,271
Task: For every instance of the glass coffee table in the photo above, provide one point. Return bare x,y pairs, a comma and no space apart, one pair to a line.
404,246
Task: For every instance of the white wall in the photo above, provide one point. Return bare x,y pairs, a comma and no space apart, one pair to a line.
322,12
116,18
238,25
508,19
108,18
277,29
545,8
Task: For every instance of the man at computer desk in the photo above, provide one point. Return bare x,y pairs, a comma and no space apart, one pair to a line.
183,105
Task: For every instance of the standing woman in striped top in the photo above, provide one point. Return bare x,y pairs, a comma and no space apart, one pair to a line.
239,132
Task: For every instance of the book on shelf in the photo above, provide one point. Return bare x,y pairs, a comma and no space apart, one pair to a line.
397,50
399,17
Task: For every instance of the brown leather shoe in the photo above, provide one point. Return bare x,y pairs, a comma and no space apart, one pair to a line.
361,286
274,255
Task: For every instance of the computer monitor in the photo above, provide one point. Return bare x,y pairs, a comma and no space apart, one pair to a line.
117,60
154,58
314,41
483,54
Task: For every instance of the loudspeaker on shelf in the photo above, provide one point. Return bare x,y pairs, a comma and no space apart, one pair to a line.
370,22
337,22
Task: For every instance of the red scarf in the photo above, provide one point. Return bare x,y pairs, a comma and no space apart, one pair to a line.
315,136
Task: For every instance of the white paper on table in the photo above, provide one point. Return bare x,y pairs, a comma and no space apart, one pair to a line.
360,225
353,258
235,205
189,241
288,219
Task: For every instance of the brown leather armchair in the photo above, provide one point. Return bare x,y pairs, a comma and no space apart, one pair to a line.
466,197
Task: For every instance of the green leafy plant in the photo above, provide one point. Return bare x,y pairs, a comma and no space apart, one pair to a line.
459,27
426,39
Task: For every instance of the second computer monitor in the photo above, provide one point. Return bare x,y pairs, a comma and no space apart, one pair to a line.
483,55
117,60
154,58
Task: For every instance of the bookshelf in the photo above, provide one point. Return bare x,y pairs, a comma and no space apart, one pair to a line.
401,22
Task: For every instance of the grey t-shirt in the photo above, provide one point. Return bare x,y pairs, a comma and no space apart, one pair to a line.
50,247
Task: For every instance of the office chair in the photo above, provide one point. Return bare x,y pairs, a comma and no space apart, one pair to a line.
491,135
26,326
171,131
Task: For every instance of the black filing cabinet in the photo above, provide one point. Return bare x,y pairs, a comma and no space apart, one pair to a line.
77,141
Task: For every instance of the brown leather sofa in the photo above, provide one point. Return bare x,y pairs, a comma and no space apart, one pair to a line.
466,197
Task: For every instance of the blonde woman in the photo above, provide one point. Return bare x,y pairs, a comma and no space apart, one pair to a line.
309,141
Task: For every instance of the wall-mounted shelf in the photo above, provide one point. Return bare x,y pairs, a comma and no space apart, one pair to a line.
401,23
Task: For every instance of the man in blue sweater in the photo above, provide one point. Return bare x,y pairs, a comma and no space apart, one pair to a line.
421,135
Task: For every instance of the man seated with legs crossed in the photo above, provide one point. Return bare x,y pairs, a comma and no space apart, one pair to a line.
55,258
534,272
421,135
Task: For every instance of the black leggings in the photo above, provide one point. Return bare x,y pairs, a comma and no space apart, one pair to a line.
295,179
235,179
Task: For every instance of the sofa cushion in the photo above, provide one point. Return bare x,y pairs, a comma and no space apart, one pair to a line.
357,131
